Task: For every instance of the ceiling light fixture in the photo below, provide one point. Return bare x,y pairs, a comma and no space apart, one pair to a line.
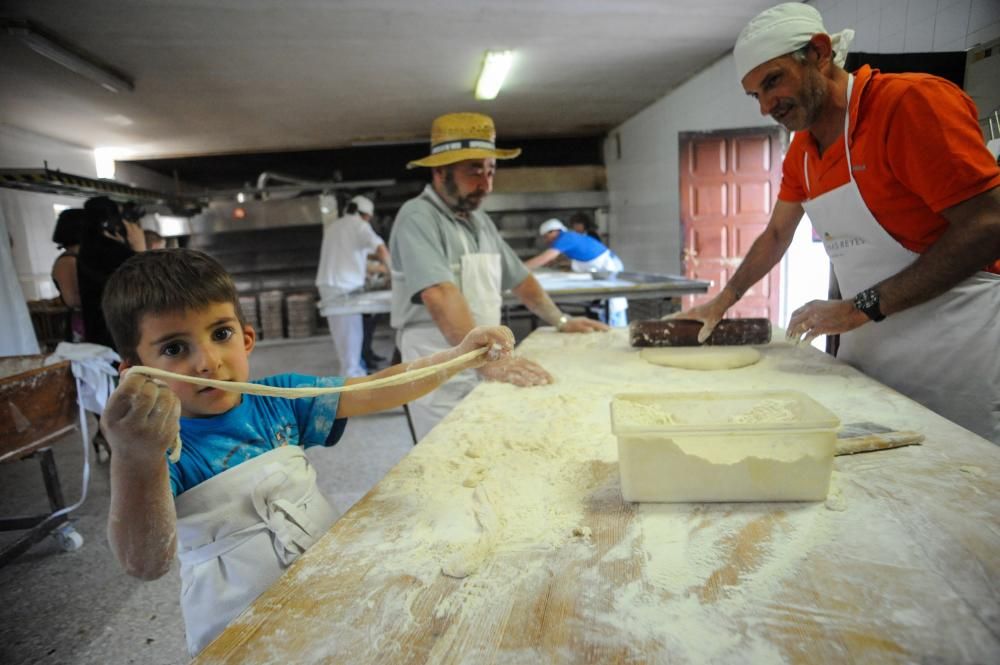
56,49
496,64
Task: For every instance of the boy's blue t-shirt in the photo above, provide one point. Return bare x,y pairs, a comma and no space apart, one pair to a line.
257,425
578,247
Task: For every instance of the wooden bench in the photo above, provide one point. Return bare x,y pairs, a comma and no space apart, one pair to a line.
38,405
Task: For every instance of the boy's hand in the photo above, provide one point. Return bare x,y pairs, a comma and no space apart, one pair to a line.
140,420
499,340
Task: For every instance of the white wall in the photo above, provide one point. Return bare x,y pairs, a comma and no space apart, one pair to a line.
29,217
643,181
20,149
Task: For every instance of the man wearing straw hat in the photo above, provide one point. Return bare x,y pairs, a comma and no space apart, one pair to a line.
450,265
895,176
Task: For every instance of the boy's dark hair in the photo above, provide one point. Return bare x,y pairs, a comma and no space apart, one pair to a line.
161,281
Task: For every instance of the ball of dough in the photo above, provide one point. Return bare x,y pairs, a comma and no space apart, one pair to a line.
702,357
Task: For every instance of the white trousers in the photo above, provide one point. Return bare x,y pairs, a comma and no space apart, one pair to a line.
348,336
431,409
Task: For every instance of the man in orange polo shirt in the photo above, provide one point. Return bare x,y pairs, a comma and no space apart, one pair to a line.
912,227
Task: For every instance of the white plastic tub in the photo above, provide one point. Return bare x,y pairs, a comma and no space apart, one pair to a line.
736,446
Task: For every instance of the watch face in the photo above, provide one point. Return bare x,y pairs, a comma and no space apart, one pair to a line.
868,302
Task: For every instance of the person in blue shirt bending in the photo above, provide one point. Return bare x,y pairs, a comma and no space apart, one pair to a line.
586,255
241,503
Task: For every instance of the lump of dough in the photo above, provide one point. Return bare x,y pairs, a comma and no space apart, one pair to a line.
701,357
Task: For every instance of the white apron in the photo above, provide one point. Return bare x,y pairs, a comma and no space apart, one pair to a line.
942,353
238,532
617,307
481,274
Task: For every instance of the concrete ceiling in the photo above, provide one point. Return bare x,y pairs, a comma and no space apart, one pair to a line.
238,76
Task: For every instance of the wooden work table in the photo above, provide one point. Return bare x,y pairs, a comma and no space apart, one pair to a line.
519,489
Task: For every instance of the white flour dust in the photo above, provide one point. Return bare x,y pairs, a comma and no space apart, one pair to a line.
703,567
504,491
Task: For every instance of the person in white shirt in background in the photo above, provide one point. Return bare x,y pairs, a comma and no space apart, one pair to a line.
343,264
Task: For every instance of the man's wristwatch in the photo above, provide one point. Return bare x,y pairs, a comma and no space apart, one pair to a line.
868,302
563,320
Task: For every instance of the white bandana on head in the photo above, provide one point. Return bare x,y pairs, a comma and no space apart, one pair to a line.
781,30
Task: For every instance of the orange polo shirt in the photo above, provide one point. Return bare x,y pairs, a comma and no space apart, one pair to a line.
916,149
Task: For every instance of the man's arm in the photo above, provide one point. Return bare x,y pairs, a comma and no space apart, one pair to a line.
450,311
382,252
543,259
534,297
764,254
140,423
971,242
499,339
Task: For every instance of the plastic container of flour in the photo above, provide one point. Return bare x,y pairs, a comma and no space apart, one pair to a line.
723,446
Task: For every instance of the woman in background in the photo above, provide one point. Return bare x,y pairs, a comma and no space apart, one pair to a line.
106,242
66,236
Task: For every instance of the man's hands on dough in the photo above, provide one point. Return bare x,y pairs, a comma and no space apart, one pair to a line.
516,371
498,364
581,324
824,317
141,419
709,314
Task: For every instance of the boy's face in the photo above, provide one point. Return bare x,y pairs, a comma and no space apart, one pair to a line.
208,343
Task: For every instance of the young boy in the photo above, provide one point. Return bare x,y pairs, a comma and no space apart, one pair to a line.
241,504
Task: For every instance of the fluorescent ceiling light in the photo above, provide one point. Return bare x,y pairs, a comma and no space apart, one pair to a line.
54,48
495,68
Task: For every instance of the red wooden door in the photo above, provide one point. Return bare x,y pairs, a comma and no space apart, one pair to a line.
729,181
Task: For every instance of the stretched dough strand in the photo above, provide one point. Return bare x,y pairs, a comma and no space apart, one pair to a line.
295,393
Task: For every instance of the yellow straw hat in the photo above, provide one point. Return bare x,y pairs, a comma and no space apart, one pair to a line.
456,137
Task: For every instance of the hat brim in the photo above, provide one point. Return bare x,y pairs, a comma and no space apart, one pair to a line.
454,156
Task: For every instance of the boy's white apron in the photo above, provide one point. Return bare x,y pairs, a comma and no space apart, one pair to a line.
480,275
942,353
238,532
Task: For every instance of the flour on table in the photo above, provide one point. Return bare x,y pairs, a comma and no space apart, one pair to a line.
835,498
671,582
471,556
